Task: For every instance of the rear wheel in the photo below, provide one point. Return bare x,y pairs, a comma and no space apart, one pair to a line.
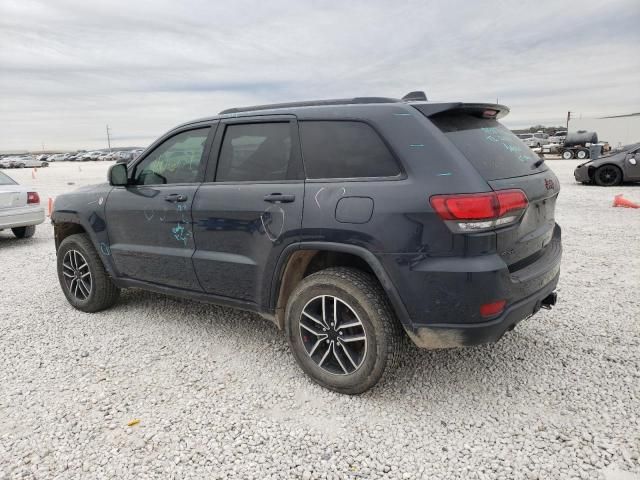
342,330
608,176
582,154
24,232
20,165
44,164
82,276
567,154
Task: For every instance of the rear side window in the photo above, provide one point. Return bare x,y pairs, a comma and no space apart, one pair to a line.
5,180
491,148
256,152
344,149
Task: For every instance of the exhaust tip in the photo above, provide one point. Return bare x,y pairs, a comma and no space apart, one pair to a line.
549,301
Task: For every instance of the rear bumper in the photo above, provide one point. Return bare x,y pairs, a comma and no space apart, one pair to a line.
462,335
21,217
442,296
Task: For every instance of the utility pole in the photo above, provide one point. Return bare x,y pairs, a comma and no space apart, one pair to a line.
109,138
568,118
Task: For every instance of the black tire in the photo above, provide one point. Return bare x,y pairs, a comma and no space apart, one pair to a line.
567,154
44,164
361,299
102,292
608,176
582,154
20,165
24,232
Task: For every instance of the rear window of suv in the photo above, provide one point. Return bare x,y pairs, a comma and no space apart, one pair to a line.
491,148
344,149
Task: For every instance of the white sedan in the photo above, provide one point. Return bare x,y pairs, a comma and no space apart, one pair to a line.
20,208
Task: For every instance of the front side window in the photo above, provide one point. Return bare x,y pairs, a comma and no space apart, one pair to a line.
344,149
256,152
177,160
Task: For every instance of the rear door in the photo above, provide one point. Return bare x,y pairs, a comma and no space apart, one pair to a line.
149,221
250,207
505,163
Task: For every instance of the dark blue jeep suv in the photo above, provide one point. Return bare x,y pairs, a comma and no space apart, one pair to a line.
347,223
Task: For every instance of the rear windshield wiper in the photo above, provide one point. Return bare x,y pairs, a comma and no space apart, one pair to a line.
538,163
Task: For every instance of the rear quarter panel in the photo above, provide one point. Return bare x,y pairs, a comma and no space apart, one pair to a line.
402,220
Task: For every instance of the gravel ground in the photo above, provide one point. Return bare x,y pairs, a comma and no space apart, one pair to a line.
217,393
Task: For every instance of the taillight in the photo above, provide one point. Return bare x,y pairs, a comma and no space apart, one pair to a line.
469,212
33,197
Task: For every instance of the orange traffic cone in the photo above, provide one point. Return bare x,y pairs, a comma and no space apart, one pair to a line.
620,201
49,206
33,173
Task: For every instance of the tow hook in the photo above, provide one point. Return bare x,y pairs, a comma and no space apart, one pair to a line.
549,301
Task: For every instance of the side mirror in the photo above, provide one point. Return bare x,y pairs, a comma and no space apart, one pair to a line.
118,175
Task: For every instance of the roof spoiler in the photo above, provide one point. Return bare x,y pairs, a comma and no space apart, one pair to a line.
482,110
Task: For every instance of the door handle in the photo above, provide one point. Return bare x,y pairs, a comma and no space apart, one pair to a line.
279,198
175,197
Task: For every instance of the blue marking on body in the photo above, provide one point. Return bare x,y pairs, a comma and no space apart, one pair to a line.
104,248
445,174
417,145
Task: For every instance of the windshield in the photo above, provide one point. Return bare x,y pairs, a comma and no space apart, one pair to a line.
524,136
6,180
490,147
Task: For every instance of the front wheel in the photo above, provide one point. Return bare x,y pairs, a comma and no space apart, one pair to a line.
82,276
608,176
341,329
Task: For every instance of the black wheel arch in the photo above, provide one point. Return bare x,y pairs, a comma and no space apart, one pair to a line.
593,168
295,260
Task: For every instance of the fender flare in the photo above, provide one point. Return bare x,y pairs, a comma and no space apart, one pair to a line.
366,255
71,216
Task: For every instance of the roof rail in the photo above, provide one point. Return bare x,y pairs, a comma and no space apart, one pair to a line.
313,103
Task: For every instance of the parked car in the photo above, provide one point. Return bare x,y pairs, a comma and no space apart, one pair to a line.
558,137
57,157
345,222
534,140
28,161
20,208
6,162
613,169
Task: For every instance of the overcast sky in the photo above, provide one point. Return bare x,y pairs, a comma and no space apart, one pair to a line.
67,68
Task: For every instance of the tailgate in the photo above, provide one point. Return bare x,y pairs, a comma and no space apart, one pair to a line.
505,163
521,244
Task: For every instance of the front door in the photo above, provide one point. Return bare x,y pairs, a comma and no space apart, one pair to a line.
250,207
149,222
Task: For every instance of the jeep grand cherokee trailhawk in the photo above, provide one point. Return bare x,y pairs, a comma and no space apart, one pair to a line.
347,223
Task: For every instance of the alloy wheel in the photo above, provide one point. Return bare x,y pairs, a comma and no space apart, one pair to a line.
77,274
333,335
608,175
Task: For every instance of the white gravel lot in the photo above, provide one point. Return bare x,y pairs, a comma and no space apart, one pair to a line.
218,395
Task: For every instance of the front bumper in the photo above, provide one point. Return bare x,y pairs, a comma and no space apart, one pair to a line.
581,173
21,217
